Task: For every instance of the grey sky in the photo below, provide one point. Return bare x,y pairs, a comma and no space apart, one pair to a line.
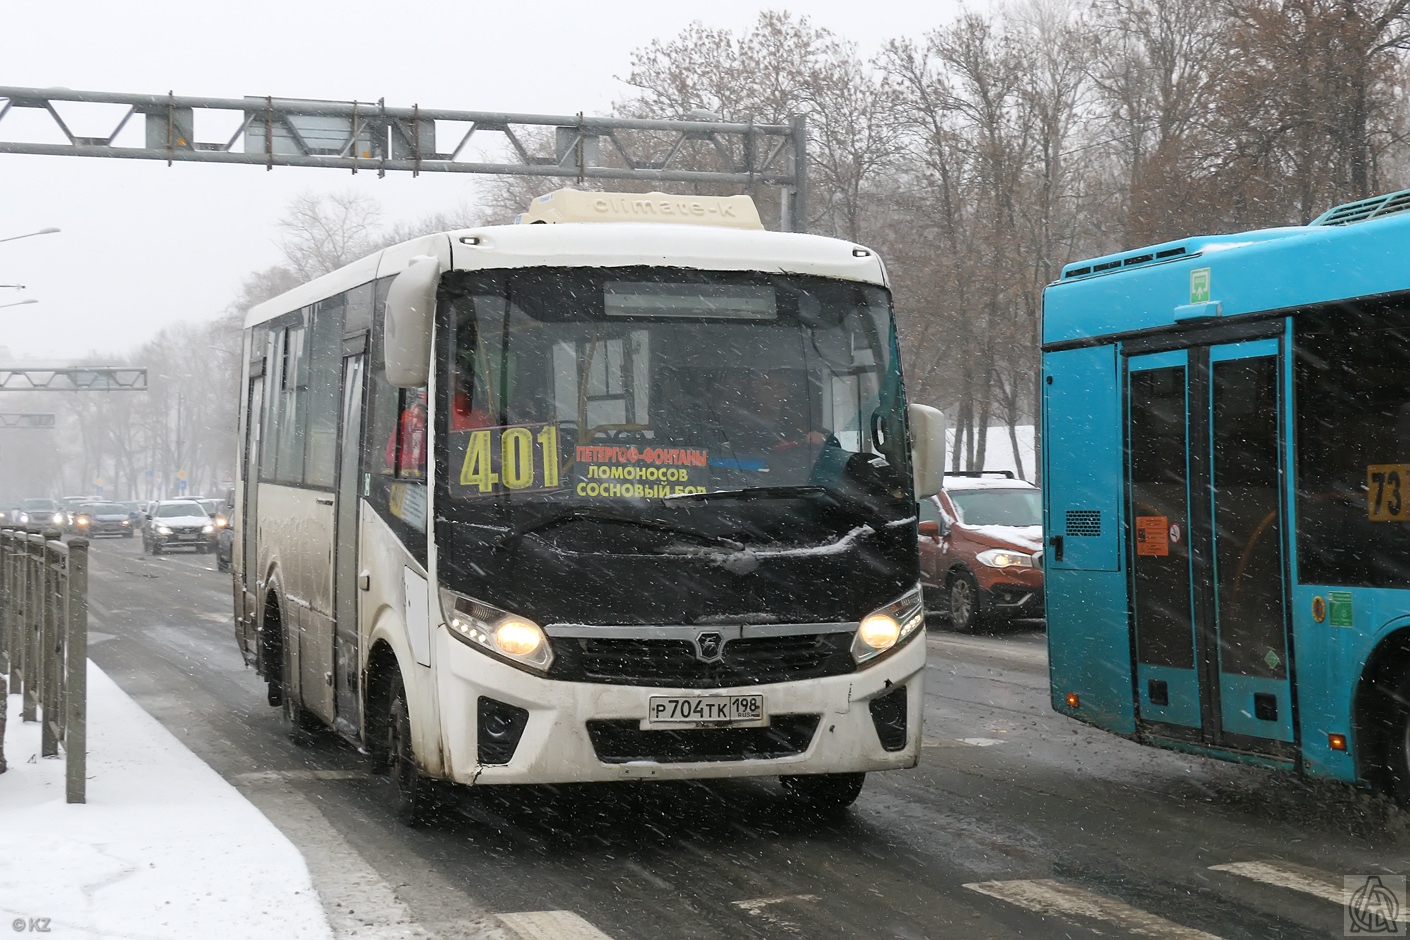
144,245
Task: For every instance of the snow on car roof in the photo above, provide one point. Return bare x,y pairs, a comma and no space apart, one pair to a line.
995,482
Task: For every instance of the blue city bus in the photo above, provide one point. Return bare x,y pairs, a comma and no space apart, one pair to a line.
1226,427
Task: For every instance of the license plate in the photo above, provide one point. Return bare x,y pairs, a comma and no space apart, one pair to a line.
186,538
705,711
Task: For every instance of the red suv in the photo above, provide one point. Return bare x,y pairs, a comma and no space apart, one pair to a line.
981,549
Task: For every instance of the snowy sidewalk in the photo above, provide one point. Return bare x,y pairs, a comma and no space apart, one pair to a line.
164,847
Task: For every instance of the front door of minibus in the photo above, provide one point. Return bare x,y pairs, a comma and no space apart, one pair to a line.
1208,582
345,539
246,561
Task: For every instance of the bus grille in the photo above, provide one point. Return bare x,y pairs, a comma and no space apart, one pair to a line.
662,662
617,741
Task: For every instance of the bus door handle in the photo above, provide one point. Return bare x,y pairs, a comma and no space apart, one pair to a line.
1056,542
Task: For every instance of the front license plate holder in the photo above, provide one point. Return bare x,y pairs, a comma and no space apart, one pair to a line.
674,712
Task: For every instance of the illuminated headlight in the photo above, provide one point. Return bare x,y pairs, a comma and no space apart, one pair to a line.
507,636
885,629
23,518
207,530
81,521
221,522
127,522
58,518
163,530
999,558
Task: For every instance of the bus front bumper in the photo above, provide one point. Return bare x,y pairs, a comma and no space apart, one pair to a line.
581,732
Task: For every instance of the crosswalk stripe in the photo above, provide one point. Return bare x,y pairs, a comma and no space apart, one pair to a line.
551,925
1064,900
1319,884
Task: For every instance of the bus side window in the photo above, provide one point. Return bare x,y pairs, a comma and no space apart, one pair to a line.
1352,374
394,447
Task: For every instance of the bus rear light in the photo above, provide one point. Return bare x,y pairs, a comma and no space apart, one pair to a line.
1336,742
1072,700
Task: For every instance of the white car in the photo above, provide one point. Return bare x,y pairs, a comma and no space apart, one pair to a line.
178,523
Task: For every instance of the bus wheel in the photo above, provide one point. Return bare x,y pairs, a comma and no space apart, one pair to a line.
411,792
963,601
829,793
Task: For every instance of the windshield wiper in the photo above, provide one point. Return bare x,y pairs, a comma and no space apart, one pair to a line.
510,539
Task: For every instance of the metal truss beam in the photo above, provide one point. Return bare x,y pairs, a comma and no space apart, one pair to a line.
78,379
360,135
18,421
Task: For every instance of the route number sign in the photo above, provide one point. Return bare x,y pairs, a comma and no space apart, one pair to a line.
1388,492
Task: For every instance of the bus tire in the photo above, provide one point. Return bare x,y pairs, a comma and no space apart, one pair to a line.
411,792
962,601
827,793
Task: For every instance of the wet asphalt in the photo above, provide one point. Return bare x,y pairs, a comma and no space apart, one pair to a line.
1017,823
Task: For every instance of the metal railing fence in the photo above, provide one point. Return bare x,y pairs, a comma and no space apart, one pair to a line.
44,641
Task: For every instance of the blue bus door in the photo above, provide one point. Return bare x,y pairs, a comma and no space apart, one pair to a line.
1208,583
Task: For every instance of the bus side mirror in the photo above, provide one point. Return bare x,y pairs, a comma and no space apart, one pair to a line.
927,449
411,301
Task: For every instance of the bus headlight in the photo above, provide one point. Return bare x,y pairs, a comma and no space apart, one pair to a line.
516,640
999,558
885,629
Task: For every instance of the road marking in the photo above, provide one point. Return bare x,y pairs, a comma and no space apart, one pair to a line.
756,905
966,742
1064,900
763,909
1319,884
551,925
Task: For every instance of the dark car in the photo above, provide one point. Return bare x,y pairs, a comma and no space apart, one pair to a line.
981,549
178,523
95,519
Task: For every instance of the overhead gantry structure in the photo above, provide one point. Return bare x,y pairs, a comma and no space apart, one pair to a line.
370,135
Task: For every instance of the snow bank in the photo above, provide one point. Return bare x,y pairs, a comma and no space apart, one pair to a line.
164,847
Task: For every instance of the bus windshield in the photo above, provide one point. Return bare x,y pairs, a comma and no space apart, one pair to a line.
657,397
605,386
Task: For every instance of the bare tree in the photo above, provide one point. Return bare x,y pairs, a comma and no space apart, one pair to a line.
323,232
